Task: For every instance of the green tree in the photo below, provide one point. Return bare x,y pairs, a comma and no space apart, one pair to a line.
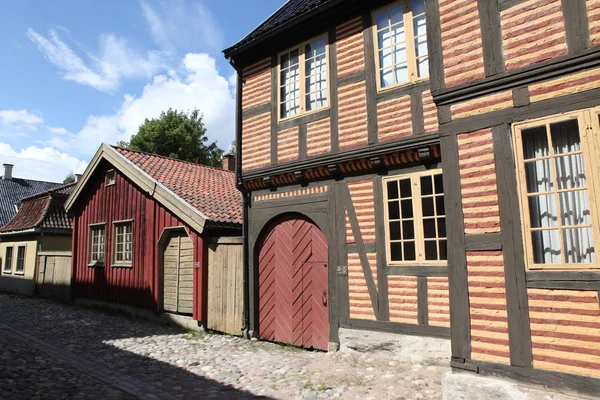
70,178
176,134
232,148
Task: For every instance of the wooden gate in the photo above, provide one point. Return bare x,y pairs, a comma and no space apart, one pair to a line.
178,270
293,284
225,285
54,275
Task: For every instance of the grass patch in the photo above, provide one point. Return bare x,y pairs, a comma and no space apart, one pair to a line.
195,335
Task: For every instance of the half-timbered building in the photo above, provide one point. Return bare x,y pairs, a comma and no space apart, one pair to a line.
426,167
146,228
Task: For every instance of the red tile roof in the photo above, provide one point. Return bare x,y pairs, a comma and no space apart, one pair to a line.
44,210
210,190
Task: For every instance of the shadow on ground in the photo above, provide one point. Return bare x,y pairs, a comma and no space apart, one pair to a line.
71,341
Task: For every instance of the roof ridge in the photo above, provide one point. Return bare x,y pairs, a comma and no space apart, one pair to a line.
171,158
28,180
49,191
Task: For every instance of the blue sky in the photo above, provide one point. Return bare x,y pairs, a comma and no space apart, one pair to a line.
78,73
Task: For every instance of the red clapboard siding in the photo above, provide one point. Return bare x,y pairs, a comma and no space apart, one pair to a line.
137,286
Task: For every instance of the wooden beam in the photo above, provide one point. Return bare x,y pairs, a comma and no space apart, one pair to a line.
576,25
519,332
370,79
482,242
274,109
333,86
434,44
396,327
380,245
422,301
491,37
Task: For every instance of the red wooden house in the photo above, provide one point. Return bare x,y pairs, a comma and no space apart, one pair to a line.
142,227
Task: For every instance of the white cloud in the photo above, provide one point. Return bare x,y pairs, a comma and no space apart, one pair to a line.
199,85
115,60
182,26
11,117
58,130
38,163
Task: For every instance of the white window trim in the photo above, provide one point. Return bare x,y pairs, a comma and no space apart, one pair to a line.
12,261
121,264
411,53
302,73
417,218
96,263
16,262
589,132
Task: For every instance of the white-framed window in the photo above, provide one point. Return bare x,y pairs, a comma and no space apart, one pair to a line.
415,220
303,83
20,265
97,240
8,260
558,177
400,34
123,243
110,178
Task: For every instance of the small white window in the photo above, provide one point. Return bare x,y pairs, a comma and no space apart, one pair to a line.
111,177
8,261
123,243
401,43
96,246
20,267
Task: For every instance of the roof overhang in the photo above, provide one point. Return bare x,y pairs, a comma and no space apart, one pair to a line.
156,190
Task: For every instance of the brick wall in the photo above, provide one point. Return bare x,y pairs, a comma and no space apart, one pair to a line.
429,113
256,142
318,137
533,31
361,193
350,48
571,84
461,41
478,182
438,301
394,118
482,105
287,144
361,306
256,89
593,9
402,294
352,119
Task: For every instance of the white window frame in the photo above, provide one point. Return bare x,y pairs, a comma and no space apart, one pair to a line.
417,218
115,243
22,271
91,261
589,133
302,78
411,53
9,264
110,178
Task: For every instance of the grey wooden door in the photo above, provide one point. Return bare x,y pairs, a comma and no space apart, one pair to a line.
178,283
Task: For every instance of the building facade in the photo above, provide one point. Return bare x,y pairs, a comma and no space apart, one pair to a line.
426,167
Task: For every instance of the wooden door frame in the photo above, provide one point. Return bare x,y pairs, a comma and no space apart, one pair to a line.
161,244
315,209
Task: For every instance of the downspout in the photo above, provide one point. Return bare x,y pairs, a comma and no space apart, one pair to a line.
245,196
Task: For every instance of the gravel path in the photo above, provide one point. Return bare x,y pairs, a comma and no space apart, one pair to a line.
55,351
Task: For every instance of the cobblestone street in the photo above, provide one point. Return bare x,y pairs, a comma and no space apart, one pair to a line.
54,351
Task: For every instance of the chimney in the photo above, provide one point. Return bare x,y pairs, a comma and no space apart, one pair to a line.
78,177
229,162
7,172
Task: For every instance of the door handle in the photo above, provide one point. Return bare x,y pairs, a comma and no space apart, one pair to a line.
324,297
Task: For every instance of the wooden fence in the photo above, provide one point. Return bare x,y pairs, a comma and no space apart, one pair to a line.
53,277
225,285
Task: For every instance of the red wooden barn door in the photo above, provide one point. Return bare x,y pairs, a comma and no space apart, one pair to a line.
293,284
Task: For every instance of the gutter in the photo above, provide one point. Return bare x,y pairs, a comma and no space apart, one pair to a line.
246,196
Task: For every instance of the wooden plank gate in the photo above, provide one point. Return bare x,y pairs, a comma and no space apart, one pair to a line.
53,278
225,301
293,284
178,270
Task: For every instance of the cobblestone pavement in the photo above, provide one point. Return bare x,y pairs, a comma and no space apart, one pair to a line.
54,351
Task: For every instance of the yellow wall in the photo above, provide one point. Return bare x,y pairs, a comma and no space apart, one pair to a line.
19,283
55,243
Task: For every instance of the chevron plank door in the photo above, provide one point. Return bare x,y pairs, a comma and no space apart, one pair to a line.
293,286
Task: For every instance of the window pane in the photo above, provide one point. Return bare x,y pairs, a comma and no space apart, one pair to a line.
384,39
570,171
382,19
431,250
538,176
285,60
565,137
400,54
439,205
575,208
393,210
423,67
542,210
401,73
294,57
408,229
426,185
392,190
443,249
429,228
535,142
396,14
441,222
418,6
387,77
405,188
407,209
428,210
420,29
546,247
439,184
409,251
395,233
396,251
579,246
385,58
